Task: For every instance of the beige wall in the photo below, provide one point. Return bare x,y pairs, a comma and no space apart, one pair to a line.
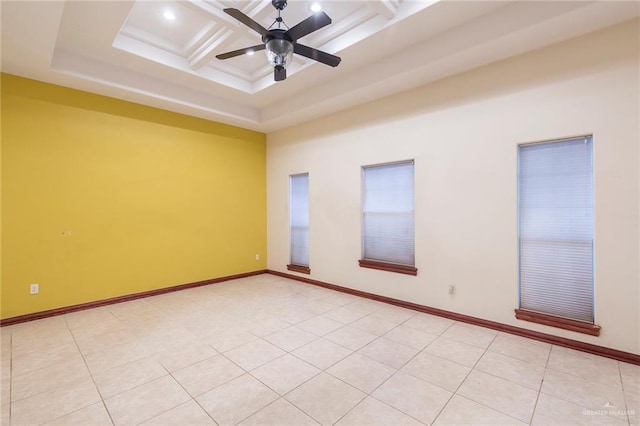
463,133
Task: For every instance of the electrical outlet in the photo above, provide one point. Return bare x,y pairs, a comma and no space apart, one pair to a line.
452,289
257,257
34,288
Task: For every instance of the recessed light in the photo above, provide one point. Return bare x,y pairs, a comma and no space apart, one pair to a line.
169,15
316,7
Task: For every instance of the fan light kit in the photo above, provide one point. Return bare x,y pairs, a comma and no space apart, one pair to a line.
280,44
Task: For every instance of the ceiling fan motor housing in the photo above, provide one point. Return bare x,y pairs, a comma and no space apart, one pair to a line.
279,4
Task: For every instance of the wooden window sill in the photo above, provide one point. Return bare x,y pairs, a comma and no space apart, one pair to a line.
389,267
553,321
298,268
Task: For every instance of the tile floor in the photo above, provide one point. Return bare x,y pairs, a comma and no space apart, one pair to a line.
270,351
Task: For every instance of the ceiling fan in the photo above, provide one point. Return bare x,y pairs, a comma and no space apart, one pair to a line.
281,44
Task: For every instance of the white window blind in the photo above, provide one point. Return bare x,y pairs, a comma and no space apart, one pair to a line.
299,219
388,222
556,228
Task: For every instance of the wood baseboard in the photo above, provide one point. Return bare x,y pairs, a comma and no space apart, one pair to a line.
536,335
119,299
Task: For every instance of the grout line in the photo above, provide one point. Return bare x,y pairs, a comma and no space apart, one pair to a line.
90,375
624,396
193,398
10,375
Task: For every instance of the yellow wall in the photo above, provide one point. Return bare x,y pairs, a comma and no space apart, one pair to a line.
102,198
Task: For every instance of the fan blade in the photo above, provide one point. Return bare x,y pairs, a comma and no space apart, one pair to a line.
246,20
309,25
239,52
279,73
316,55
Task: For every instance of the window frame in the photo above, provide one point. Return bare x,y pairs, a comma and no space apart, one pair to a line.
291,266
364,262
567,323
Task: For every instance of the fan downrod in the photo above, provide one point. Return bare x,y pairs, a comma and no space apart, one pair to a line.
279,4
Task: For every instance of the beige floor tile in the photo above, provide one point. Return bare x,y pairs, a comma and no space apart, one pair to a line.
23,363
296,315
322,353
630,375
279,413
345,314
429,323
223,341
338,299
54,403
455,351
351,337
43,379
471,334
189,413
367,306
388,352
5,391
5,363
90,340
115,356
4,415
325,398
89,318
554,411
207,374
587,366
319,325
374,325
128,376
94,415
285,373
40,339
290,338
499,394
590,395
438,371
180,357
373,412
514,370
521,348
411,337
147,401
361,372
236,400
394,314
412,396
169,338
254,354
318,307
463,411
267,326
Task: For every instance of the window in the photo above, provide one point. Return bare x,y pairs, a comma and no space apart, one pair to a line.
387,218
555,182
299,223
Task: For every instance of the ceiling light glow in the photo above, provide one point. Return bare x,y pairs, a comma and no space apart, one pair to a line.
316,7
250,52
169,15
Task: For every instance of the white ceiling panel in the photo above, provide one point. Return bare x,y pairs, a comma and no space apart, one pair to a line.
131,50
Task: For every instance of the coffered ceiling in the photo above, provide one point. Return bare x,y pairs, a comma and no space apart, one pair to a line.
162,53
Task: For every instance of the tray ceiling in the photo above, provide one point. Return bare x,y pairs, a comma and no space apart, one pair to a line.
162,53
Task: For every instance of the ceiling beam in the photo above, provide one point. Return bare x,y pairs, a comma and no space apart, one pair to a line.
383,7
